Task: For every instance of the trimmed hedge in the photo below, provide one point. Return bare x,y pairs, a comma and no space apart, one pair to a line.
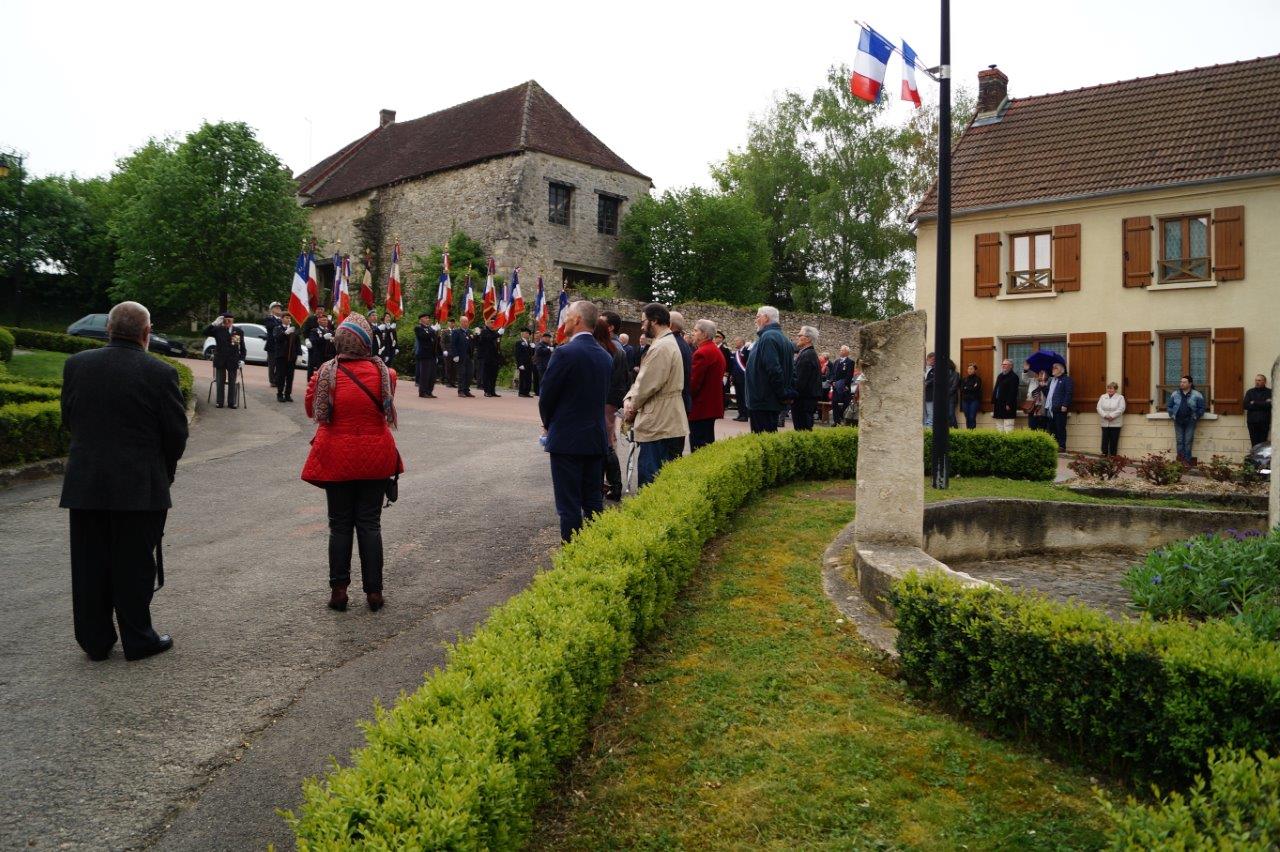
1143,697
13,393
30,431
1025,454
6,344
52,341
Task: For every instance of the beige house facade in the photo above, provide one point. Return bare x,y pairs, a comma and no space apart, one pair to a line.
1109,225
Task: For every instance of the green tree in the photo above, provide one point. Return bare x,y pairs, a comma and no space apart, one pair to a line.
466,256
691,244
214,220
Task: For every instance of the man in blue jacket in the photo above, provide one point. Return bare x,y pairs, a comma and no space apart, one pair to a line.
1186,407
460,352
770,372
1058,404
574,391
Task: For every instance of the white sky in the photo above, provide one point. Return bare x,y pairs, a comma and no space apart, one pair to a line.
669,86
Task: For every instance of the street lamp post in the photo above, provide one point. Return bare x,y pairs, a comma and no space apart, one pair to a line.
942,309
6,159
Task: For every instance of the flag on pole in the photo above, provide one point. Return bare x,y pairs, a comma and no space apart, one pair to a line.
516,305
313,281
344,289
444,293
366,285
540,308
299,306
337,280
489,301
469,306
910,91
869,64
560,317
393,285
504,307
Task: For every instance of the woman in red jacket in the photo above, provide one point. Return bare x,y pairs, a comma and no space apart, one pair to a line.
353,454
705,386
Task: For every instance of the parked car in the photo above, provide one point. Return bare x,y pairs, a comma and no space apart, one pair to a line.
1260,458
95,326
255,344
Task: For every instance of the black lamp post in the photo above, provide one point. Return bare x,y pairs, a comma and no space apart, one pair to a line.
942,308
12,162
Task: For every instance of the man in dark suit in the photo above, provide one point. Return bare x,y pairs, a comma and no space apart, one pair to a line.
1058,403
460,349
426,345
285,356
128,429
272,322
574,392
487,357
541,359
738,367
320,345
841,384
808,381
524,362
686,356
228,357
308,326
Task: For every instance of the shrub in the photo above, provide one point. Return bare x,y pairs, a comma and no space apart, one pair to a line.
986,452
13,393
1098,467
1144,697
6,344
1160,469
52,341
30,431
186,380
1239,808
1222,469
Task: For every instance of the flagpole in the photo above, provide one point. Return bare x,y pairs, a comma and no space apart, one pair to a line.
942,307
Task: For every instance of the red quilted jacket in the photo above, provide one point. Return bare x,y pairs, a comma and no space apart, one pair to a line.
705,382
357,443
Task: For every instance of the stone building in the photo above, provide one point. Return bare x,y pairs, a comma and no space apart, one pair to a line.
514,170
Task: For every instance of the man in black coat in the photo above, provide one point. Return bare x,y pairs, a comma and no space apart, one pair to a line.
541,358
460,354
738,368
1004,397
808,380
284,355
426,345
228,357
128,429
686,356
272,322
308,326
524,362
487,357
320,345
841,384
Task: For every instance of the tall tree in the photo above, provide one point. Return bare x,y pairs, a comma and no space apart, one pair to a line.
213,221
465,256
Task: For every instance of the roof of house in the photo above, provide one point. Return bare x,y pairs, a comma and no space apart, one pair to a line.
522,118
1192,126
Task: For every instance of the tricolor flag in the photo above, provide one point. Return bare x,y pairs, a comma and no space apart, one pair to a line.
489,300
504,307
393,285
313,282
444,293
560,317
910,91
516,306
869,64
342,288
299,307
366,285
469,306
337,280
541,308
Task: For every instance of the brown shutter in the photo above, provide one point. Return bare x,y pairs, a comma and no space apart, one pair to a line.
1136,385
1137,253
980,351
1066,258
986,265
1087,363
1228,243
1228,371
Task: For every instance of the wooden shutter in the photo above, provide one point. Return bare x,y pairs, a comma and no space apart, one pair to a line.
986,265
1087,363
1228,243
980,351
1228,371
1136,385
1066,258
1137,253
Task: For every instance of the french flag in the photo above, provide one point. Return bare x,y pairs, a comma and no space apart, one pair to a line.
516,306
342,289
299,307
869,65
501,318
366,285
489,300
560,317
444,293
910,91
469,305
541,308
313,282
394,306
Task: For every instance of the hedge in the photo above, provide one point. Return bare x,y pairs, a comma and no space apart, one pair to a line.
6,344
12,393
1142,697
30,431
52,341
1025,454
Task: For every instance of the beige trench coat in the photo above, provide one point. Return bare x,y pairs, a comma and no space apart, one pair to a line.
657,393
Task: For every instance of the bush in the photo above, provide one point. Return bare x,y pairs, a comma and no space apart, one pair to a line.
1239,809
30,431
1098,467
14,393
1222,469
1143,697
52,341
1160,469
186,380
6,344
986,452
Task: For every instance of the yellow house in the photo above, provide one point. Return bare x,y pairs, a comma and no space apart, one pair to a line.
1131,227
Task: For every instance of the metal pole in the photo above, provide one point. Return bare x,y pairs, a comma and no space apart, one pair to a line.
942,307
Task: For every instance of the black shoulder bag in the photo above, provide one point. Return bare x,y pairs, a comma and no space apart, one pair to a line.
392,487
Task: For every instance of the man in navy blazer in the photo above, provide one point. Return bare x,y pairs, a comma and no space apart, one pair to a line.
1058,403
460,351
574,391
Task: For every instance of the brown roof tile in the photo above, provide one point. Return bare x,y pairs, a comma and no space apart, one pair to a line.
523,118
1187,126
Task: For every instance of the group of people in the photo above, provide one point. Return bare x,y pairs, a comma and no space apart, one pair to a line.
462,355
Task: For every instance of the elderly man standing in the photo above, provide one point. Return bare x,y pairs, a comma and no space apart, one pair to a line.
770,372
808,380
128,429
574,391
655,403
228,357
1004,397
707,380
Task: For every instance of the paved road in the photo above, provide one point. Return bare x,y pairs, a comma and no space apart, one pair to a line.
196,748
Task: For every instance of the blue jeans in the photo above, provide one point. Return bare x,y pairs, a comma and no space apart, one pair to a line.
971,407
1184,434
653,455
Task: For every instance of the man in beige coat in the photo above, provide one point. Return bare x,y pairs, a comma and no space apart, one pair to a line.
655,403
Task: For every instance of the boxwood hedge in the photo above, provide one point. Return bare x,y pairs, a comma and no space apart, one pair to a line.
30,431
51,341
1025,454
11,393
1139,697
6,344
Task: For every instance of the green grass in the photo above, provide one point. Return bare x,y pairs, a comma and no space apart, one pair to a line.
37,365
757,721
988,486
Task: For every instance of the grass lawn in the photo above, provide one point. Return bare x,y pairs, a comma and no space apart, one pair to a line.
990,486
756,721
37,365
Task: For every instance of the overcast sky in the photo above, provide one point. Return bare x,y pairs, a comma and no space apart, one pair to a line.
669,86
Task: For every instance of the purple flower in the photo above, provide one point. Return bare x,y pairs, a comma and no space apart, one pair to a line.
1156,580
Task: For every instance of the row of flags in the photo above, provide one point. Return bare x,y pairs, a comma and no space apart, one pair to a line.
872,61
304,293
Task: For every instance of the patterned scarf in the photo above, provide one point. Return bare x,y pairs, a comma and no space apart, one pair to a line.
354,342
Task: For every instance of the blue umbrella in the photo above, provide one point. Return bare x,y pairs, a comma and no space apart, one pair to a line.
1044,359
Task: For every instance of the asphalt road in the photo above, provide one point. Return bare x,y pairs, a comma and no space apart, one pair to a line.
198,747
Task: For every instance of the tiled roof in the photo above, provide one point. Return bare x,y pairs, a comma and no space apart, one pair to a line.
1205,124
523,118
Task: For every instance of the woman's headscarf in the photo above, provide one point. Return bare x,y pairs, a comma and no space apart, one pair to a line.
354,342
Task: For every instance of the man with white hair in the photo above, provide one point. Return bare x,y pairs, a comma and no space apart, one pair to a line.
128,429
808,380
841,384
770,372
707,378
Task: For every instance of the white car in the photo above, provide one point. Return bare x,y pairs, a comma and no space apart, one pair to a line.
255,345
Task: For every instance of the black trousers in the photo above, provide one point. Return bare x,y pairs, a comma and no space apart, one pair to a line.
1258,432
489,376
802,411
113,570
463,373
284,377
1110,440
271,368
426,376
225,377
740,393
450,372
1058,425
575,481
526,379
537,379
763,421
701,433
356,506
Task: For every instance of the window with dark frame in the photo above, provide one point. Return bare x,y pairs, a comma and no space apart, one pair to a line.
1184,248
558,196
607,215
1183,353
1030,262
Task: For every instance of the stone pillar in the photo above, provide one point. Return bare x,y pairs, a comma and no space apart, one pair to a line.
1273,515
890,491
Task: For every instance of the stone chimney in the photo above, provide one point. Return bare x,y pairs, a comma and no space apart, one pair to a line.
993,90
388,116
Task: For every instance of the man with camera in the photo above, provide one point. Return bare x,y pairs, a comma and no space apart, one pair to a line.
228,357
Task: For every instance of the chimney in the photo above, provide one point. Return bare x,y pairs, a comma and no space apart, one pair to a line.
993,90
388,116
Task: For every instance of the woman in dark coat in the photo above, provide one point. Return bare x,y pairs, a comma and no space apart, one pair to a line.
389,345
971,396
